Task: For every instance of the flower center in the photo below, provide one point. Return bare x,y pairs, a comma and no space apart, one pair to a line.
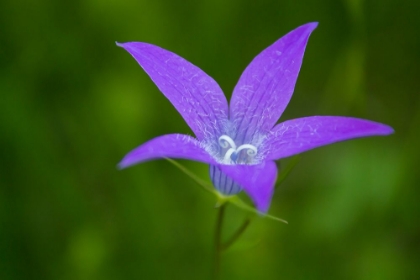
232,154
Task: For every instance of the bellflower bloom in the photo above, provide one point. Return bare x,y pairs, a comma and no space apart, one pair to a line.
241,142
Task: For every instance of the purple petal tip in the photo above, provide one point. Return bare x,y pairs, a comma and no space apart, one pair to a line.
121,165
313,24
125,45
387,130
310,26
124,163
379,129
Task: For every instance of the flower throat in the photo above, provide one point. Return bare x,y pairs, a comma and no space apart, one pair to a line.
243,154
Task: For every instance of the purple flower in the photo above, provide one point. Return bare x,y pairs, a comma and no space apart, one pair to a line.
242,142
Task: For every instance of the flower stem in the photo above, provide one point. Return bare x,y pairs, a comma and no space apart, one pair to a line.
218,241
236,235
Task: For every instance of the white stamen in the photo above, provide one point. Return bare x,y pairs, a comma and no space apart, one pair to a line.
252,150
229,149
227,158
226,142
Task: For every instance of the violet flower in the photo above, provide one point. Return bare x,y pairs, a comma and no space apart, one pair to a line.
242,142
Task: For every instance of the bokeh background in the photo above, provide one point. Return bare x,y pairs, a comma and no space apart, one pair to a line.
72,104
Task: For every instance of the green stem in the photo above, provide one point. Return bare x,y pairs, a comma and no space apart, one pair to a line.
218,241
236,235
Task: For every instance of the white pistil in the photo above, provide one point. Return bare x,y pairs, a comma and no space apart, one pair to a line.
252,150
227,143
228,154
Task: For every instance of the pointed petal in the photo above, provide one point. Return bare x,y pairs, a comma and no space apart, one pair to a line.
256,180
171,146
196,96
267,84
300,135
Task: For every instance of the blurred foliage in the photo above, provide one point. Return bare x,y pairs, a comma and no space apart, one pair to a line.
72,104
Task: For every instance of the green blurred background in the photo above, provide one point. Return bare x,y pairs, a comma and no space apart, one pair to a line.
72,104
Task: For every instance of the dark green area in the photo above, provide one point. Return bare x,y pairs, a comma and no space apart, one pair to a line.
72,104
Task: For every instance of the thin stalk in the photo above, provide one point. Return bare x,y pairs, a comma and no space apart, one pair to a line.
218,241
236,235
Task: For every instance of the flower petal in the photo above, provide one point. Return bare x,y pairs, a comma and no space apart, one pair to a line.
256,180
171,146
267,84
196,96
300,135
